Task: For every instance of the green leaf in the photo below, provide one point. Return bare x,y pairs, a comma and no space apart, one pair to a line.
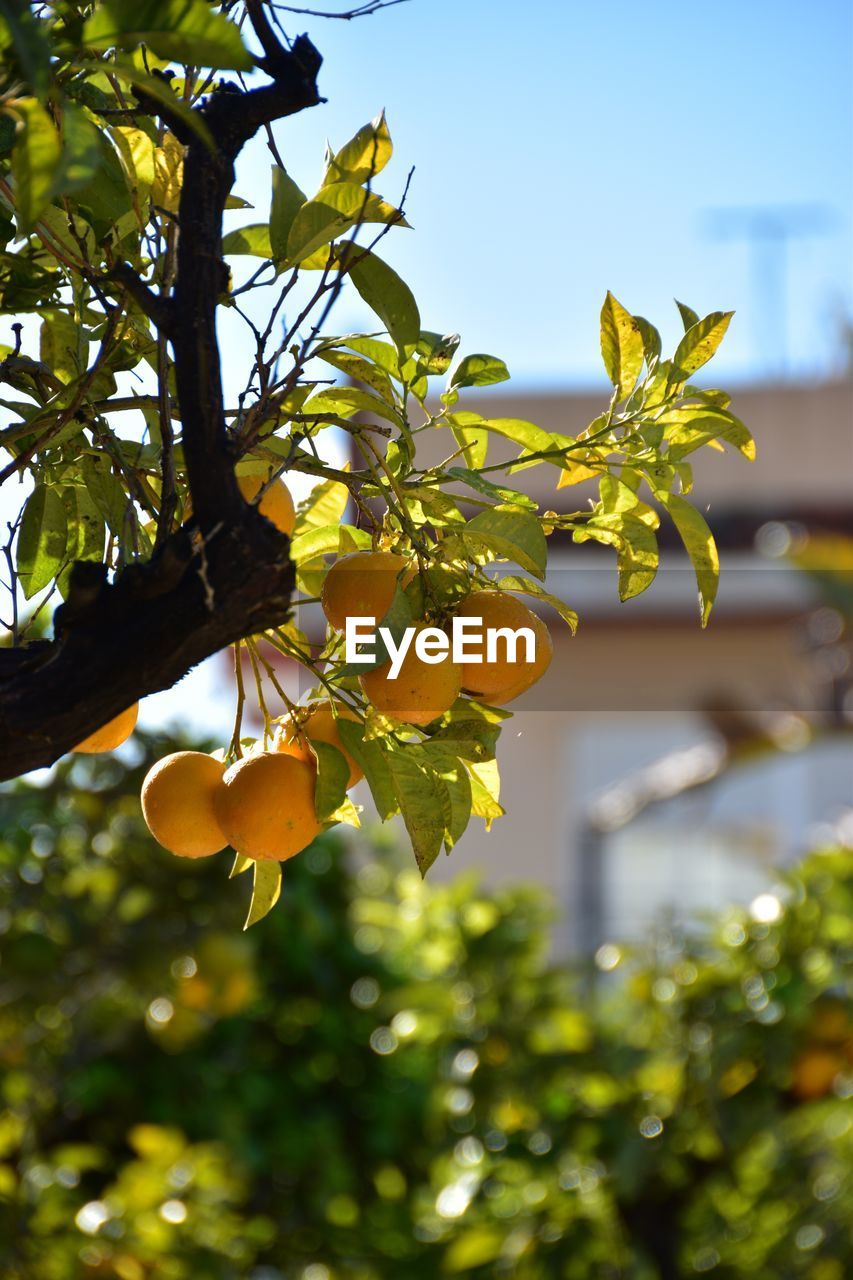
361,370
390,298
511,535
328,539
344,402
287,200
241,863
469,738
371,756
81,151
105,490
435,352
41,540
651,341
252,241
524,586
62,345
699,344
324,506
381,353
186,30
85,540
36,159
692,426
157,88
531,438
365,155
332,779
471,436
701,548
479,371
473,1249
334,211
689,317
457,782
265,890
621,346
424,803
136,154
485,791
499,492
31,47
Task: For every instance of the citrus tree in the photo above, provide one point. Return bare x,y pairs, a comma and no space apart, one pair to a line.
154,505
388,1080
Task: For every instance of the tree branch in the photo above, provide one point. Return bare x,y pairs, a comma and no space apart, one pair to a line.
227,575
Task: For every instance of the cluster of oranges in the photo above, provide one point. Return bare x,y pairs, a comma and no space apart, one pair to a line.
264,804
363,585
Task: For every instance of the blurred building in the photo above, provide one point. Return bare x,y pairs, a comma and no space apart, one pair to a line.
617,780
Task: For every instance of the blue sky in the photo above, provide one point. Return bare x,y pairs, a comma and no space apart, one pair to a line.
562,149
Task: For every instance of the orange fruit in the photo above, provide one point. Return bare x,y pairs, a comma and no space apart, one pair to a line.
361,585
421,691
178,797
276,504
266,805
320,725
110,735
814,1072
501,680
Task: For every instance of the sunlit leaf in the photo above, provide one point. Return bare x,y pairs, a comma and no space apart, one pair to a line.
365,155
699,344
334,211
36,160
390,298
253,240
41,540
265,890
188,31
621,346
287,200
512,535
701,548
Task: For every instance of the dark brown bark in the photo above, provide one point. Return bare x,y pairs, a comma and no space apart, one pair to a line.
227,576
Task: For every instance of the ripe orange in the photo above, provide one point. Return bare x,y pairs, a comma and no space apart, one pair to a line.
501,680
421,691
320,725
110,735
178,797
276,504
265,805
361,585
814,1071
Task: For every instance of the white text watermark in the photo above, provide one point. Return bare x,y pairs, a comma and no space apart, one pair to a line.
433,645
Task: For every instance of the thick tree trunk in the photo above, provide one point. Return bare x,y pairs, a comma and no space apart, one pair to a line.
226,576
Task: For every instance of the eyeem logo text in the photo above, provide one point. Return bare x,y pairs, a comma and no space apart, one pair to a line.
433,645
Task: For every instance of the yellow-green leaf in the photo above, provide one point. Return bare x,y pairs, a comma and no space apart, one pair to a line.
188,31
391,299
701,548
333,212
365,155
41,540
253,241
287,200
265,890
621,346
699,344
36,158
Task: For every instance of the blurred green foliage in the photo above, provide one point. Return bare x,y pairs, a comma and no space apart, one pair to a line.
384,1080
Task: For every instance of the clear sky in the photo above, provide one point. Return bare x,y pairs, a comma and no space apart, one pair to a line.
564,148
